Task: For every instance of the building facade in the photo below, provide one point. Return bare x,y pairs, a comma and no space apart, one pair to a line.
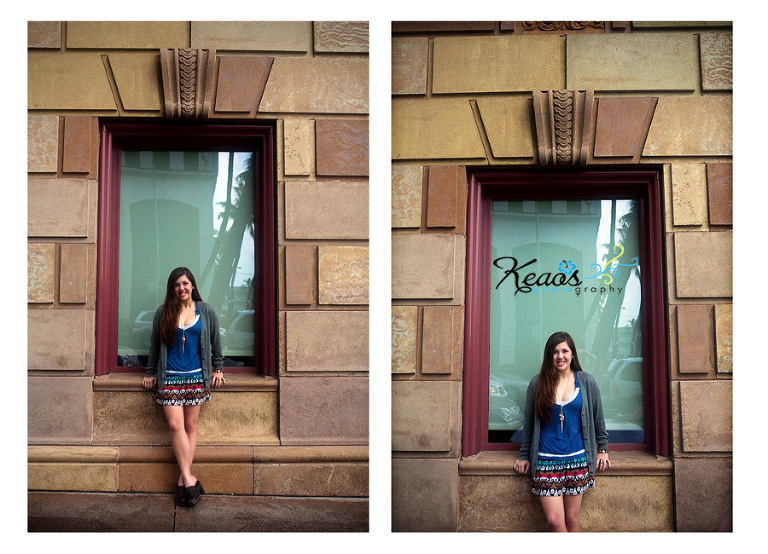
511,123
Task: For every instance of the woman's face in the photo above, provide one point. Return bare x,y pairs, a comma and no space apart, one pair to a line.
562,357
183,288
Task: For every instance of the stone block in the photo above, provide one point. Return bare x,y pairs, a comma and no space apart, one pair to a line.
342,275
641,61
405,327
410,56
425,266
300,274
137,76
425,495
311,479
691,126
341,147
55,82
406,196
323,410
720,192
441,339
41,269
695,338
509,126
703,493
264,36
42,143
704,264
447,197
498,64
326,210
317,85
341,36
706,416
58,207
76,273
622,126
443,128
59,409
112,35
72,477
60,339
327,341
689,194
78,146
425,416
240,83
44,34
716,60
299,146
724,337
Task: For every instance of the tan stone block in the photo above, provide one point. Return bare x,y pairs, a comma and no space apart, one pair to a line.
695,338
265,36
425,495
622,126
41,268
425,415
341,36
151,477
323,410
311,479
498,64
342,275
423,266
691,126
299,146
341,147
44,34
76,273
442,128
703,492
137,76
300,274
326,210
127,34
55,82
724,337
240,83
59,409
447,197
716,60
72,477
706,412
508,124
317,85
689,194
60,339
405,326
409,65
438,339
641,61
720,189
327,341
58,207
406,195
76,155
42,143
704,265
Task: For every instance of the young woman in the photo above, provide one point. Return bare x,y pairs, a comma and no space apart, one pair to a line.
184,362
564,435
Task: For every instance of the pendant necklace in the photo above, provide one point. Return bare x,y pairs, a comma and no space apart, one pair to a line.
562,414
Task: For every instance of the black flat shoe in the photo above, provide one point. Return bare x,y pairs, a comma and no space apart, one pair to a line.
181,496
193,494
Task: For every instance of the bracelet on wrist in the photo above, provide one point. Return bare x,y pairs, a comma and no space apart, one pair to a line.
602,451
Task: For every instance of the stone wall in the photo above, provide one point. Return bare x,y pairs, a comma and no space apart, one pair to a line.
463,96
311,421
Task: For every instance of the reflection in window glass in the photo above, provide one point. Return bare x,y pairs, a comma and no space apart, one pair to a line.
193,209
566,265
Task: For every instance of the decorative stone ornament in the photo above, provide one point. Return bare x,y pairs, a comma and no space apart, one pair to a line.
187,81
563,126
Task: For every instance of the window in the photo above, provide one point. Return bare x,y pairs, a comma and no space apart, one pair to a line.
191,195
579,251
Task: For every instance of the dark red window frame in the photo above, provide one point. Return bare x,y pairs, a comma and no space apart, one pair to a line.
486,185
116,136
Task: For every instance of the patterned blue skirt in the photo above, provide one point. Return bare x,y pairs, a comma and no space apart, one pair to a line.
562,477
183,389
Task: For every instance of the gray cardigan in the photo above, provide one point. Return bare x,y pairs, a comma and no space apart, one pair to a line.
210,345
592,422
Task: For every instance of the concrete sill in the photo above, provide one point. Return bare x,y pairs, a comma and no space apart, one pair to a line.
234,382
622,463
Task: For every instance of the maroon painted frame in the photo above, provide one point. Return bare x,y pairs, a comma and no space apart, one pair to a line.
555,183
116,136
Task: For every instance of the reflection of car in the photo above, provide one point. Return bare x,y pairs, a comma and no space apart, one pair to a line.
141,329
237,339
503,412
621,387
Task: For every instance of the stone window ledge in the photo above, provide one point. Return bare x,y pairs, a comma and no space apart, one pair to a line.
235,382
622,463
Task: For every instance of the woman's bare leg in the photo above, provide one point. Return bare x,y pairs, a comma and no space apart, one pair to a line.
572,505
554,511
181,444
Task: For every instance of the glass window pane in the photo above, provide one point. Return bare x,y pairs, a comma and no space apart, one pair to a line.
566,265
193,209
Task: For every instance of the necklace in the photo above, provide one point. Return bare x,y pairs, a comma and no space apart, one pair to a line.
183,324
561,401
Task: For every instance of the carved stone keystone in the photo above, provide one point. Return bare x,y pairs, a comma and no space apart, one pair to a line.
563,125
187,81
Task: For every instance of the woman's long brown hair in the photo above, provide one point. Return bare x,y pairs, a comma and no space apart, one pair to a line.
169,321
545,391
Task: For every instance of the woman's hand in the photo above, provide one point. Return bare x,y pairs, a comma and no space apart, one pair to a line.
217,379
603,462
522,466
149,382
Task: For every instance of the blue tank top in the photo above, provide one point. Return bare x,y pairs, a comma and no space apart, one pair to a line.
184,356
568,442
